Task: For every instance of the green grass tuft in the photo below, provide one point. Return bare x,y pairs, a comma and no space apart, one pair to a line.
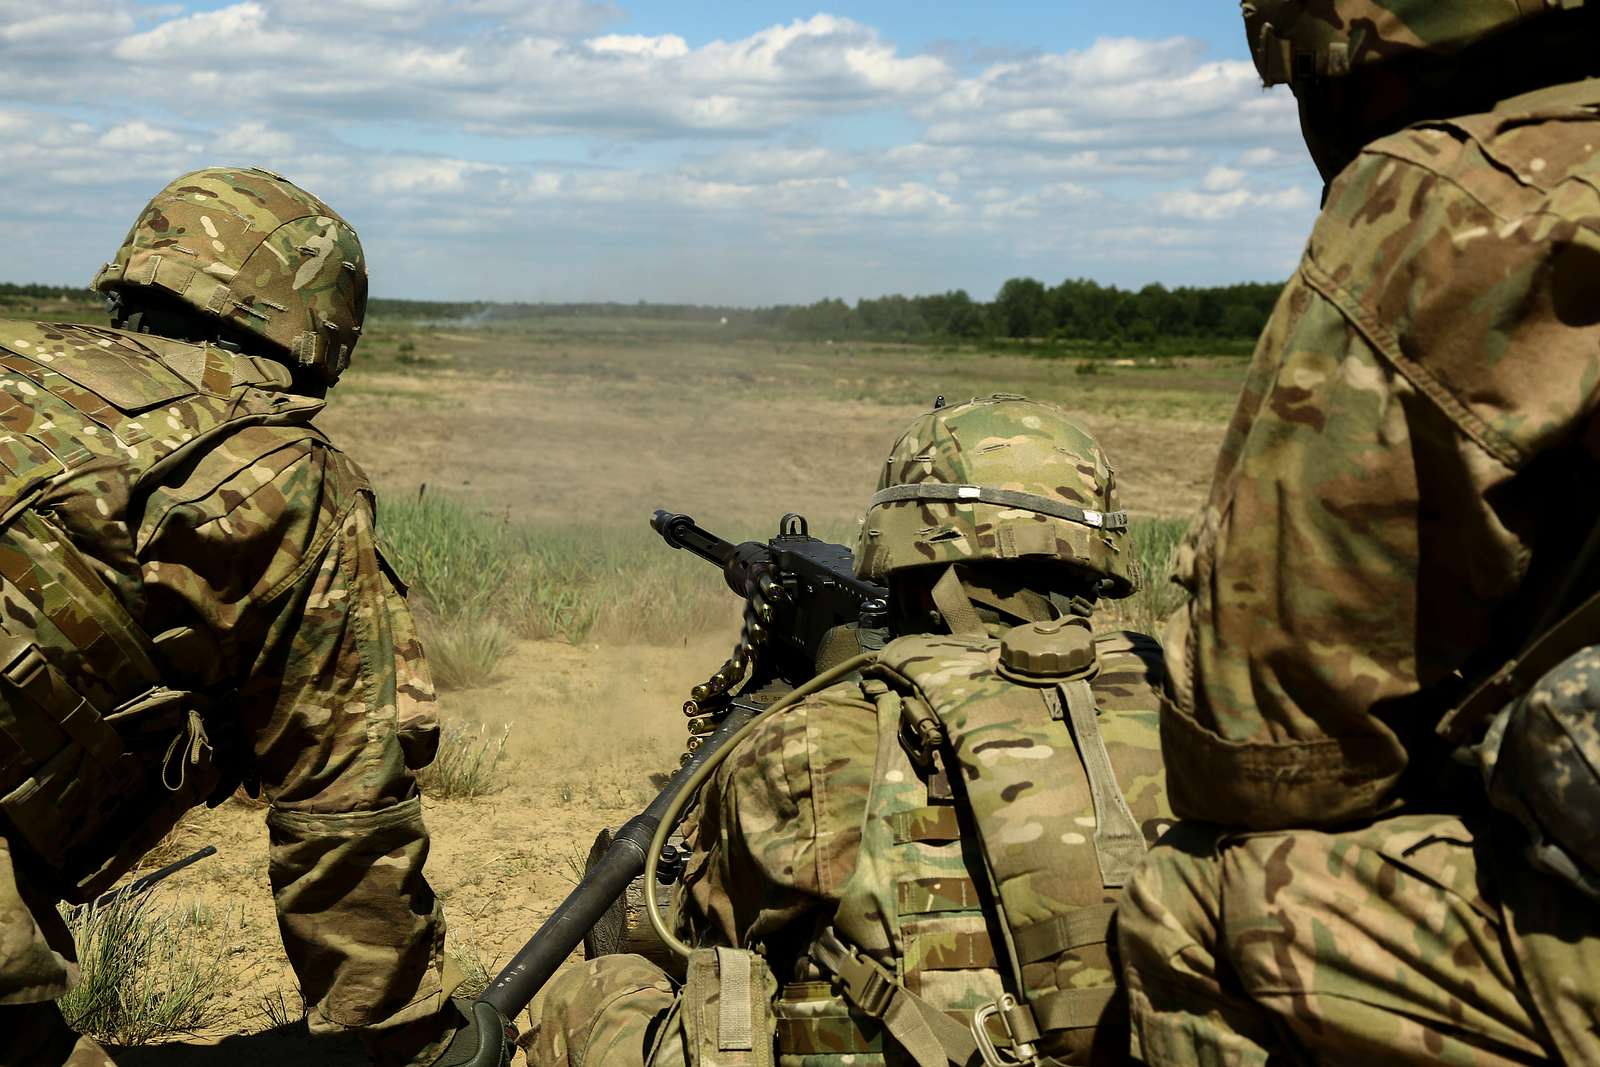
468,763
466,653
479,580
280,1009
1155,545
149,970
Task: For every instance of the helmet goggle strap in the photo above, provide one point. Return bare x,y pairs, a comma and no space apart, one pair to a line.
951,598
962,597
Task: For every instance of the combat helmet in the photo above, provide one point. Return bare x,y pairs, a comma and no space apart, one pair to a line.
1296,41
257,253
997,478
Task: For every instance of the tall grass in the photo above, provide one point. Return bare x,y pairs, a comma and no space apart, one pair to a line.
479,580
147,970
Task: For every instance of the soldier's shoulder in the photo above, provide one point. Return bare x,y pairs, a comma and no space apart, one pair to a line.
131,371
1531,156
50,342
835,725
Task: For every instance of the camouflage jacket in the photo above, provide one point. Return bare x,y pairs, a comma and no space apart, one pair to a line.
1409,474
209,513
821,818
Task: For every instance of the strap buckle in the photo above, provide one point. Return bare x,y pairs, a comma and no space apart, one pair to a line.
1020,1031
866,984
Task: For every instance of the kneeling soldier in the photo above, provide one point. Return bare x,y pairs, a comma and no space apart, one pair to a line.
925,860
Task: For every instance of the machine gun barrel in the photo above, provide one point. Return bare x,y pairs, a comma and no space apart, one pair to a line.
679,531
536,961
738,562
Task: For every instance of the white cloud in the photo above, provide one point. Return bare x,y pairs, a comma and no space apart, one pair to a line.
139,136
252,141
670,46
1119,91
1215,206
544,133
1222,179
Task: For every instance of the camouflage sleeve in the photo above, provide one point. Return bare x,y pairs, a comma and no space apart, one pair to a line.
280,559
1406,477
779,825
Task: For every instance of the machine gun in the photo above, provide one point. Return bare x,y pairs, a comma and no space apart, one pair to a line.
804,610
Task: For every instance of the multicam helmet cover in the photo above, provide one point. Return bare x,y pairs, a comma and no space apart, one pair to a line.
997,478
256,252
1295,41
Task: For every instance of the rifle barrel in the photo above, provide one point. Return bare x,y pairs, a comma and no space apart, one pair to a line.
140,884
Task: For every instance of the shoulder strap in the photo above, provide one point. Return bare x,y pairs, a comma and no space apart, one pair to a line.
953,603
929,1036
1118,844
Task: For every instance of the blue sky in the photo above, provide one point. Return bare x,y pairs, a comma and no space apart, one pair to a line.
740,153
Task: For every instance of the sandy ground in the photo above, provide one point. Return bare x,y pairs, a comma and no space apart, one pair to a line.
557,429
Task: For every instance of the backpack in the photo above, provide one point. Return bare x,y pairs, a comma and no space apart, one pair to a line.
99,755
999,828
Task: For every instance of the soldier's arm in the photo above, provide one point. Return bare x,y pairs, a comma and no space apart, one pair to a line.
779,825
279,559
1395,492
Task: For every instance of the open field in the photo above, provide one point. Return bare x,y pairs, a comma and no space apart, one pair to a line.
558,443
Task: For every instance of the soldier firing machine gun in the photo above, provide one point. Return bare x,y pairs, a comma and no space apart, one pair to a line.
805,610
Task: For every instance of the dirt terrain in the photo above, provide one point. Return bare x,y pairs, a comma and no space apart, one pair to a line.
579,429
582,428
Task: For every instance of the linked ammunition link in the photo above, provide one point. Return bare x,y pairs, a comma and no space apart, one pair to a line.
708,702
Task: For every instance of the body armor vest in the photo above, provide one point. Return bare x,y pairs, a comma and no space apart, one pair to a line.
101,749
989,864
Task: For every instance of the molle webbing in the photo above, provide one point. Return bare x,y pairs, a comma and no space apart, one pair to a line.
941,493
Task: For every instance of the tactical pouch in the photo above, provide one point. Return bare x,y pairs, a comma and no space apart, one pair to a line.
726,1009
1541,764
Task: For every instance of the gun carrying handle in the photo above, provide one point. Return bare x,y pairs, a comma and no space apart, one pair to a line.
669,818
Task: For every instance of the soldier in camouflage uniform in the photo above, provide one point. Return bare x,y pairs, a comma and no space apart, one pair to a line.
1404,506
194,597
995,768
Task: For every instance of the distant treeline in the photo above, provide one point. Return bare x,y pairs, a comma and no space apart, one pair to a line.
1023,309
11,293
1077,309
